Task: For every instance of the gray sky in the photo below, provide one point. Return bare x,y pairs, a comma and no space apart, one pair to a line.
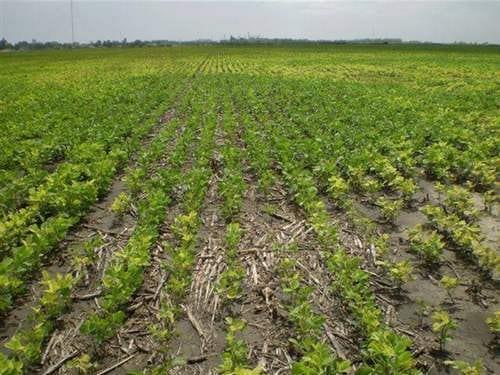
444,21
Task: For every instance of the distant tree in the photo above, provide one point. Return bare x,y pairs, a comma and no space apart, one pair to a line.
22,45
4,44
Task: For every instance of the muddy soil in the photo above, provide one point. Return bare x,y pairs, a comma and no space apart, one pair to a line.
475,299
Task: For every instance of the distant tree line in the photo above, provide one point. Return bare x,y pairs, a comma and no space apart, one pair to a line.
35,45
257,39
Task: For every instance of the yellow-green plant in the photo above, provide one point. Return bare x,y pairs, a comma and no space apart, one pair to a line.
382,245
426,244
458,200
400,272
450,284
442,324
10,366
389,208
493,322
490,199
82,364
466,368
338,189
234,358
121,204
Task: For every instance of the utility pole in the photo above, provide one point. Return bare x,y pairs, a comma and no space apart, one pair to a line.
3,31
72,24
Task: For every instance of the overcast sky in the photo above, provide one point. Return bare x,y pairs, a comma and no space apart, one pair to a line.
445,21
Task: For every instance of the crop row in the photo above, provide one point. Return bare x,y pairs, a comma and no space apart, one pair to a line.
350,281
456,220
385,172
315,356
180,251
25,347
124,273
71,116
30,233
230,283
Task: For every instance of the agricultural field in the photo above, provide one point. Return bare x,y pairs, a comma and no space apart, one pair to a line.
250,210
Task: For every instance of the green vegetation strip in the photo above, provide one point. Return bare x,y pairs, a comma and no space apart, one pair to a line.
26,345
186,225
385,351
73,198
125,273
230,282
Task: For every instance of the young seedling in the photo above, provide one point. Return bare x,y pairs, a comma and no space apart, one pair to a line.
122,204
407,188
84,256
458,201
101,329
10,366
230,283
389,354
493,323
466,368
427,245
423,311
389,208
82,364
235,354
270,209
382,245
449,283
233,237
442,324
338,189
400,273
318,359
489,198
